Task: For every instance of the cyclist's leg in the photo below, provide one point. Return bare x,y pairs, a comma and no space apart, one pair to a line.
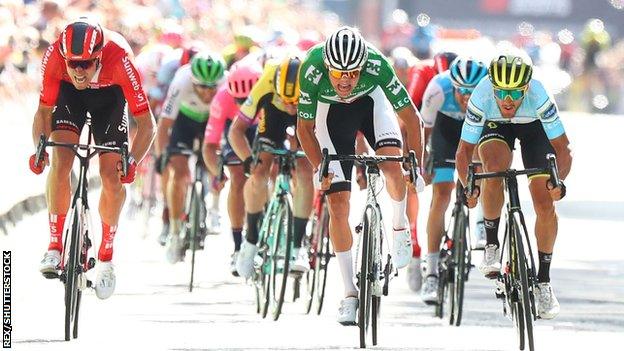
110,128
412,204
236,205
381,128
495,150
255,195
535,146
67,121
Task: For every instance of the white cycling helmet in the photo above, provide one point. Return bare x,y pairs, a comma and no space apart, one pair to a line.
345,50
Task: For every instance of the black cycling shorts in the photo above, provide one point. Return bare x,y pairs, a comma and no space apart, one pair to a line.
107,107
336,130
273,124
534,144
227,152
184,132
444,140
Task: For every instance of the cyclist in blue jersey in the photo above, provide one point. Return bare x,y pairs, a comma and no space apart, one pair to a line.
443,110
512,105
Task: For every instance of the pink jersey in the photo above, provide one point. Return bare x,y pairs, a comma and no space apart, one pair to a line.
222,108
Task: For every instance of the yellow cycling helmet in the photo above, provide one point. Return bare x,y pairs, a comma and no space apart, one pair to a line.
509,72
286,81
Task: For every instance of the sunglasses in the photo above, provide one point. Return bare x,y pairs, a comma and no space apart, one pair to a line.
240,101
349,74
86,64
515,94
205,86
464,91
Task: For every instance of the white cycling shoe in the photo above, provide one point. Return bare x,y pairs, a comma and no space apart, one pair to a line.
173,248
347,311
234,258
105,281
547,303
429,292
245,260
301,262
414,274
402,248
490,266
49,263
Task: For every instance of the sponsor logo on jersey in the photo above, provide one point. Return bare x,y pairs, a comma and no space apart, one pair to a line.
305,115
134,80
473,117
549,112
395,85
373,67
304,98
492,125
401,103
46,58
313,75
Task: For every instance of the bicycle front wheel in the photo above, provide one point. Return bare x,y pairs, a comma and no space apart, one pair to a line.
460,248
324,255
194,219
364,276
526,288
71,273
282,242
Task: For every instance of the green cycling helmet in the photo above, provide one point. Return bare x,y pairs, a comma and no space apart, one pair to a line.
208,68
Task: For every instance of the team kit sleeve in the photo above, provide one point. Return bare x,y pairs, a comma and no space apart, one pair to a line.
392,87
309,79
171,106
51,65
475,115
547,112
218,116
128,78
432,102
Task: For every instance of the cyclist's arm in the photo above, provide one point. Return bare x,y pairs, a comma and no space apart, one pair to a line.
432,101
463,157
470,135
42,122
145,132
209,152
561,145
162,135
309,144
396,93
238,139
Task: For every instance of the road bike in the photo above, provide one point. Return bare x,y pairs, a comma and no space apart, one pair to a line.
75,257
373,277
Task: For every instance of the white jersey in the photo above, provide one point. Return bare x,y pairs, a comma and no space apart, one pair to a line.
181,98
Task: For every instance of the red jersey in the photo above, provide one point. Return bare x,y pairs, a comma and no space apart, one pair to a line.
116,68
419,77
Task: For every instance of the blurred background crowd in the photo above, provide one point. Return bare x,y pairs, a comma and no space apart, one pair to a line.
578,45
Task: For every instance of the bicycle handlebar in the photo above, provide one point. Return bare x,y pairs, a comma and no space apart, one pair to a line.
551,170
367,159
43,143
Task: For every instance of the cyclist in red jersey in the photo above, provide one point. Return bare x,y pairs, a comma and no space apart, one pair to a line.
419,76
90,69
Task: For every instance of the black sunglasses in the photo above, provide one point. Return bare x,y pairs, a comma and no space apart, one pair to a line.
240,101
86,64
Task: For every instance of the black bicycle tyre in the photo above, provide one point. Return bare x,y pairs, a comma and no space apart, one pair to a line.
326,256
312,274
365,295
284,219
194,221
524,286
461,245
514,298
375,305
264,287
71,275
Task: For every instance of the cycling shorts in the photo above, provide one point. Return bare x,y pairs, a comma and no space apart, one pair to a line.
444,141
184,132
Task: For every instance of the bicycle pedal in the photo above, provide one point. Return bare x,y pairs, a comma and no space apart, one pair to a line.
358,228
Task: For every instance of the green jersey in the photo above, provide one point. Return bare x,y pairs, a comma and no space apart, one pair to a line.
316,87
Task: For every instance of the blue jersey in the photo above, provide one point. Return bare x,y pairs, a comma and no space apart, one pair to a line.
440,97
537,105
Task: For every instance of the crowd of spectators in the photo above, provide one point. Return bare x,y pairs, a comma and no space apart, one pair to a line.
27,27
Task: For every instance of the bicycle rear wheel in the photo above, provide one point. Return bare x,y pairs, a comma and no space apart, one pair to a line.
364,278
525,287
71,274
282,242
